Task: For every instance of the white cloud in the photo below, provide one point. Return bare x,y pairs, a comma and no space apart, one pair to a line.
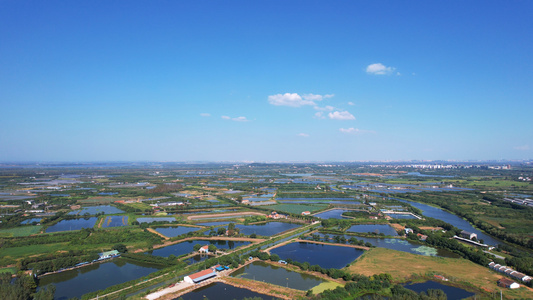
351,103
379,69
325,108
355,131
319,115
522,148
237,119
205,115
303,134
295,100
240,119
341,115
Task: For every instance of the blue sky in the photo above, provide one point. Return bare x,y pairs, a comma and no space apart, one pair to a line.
265,80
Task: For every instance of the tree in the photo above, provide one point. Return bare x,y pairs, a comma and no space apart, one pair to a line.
212,248
221,231
196,247
121,248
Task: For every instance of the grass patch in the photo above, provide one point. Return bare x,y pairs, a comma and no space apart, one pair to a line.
328,285
98,200
20,231
8,270
296,208
401,265
18,252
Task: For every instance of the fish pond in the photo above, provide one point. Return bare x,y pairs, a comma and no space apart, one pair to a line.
277,275
75,283
31,221
219,290
175,230
326,256
93,210
187,247
332,214
197,258
374,228
115,221
401,245
266,229
74,224
453,293
156,219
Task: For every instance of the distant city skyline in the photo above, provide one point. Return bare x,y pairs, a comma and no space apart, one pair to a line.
305,81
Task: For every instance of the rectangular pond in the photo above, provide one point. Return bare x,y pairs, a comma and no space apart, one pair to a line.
175,230
277,275
219,290
155,219
374,228
187,247
332,214
75,283
74,224
93,210
326,256
31,221
266,229
401,216
115,221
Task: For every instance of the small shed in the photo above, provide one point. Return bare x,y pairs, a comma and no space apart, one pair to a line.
204,249
508,283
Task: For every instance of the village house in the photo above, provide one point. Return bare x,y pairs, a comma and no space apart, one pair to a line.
306,213
508,283
468,235
204,249
200,276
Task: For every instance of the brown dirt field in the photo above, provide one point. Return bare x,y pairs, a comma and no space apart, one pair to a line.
159,234
397,226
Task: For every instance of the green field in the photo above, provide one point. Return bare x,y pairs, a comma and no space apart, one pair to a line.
8,270
296,208
20,231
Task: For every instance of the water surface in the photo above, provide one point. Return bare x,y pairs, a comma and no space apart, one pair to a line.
437,213
175,230
75,283
277,275
219,290
93,210
74,224
326,256
374,228
115,221
453,293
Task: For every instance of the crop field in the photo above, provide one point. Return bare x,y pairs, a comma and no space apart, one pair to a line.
20,231
296,208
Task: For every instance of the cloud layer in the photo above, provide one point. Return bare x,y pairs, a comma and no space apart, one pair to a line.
295,100
355,131
379,69
341,115
237,119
